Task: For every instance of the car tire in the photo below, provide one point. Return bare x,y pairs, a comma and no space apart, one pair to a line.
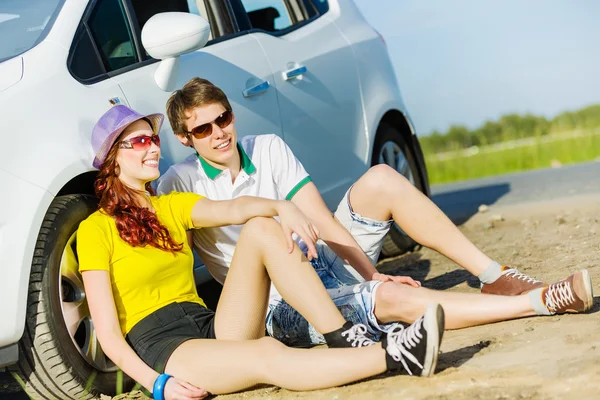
52,361
396,242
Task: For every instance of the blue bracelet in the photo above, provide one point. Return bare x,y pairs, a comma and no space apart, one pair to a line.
159,386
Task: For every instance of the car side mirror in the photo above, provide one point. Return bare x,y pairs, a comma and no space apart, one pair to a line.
166,36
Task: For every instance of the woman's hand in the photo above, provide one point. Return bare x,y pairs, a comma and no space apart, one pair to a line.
176,389
407,280
293,220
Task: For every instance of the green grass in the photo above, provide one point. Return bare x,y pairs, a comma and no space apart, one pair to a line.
540,154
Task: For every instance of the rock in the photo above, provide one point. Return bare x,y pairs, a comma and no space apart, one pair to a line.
488,225
560,220
529,328
555,164
483,208
496,218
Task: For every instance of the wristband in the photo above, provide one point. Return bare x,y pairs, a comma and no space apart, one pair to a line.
159,386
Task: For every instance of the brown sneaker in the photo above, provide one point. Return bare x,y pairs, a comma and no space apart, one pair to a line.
571,295
511,283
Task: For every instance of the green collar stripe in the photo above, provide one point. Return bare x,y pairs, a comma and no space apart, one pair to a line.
246,162
296,188
213,172
210,171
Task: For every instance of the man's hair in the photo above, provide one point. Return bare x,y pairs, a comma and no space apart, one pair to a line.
197,92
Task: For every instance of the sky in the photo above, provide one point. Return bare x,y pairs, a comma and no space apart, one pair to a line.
463,62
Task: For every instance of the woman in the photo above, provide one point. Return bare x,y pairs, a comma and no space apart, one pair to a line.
137,271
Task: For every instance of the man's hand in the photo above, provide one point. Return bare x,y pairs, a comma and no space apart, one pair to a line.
293,220
407,280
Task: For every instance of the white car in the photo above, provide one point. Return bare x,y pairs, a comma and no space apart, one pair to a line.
311,71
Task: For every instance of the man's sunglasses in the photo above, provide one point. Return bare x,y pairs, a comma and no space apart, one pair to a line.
140,142
204,130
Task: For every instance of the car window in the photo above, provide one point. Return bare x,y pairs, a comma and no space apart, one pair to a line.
104,40
269,15
84,62
112,36
321,5
144,9
278,15
25,23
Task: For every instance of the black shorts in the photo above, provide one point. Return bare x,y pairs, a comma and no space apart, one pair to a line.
157,336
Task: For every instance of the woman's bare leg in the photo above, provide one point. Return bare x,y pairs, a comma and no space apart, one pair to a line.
229,366
399,302
261,255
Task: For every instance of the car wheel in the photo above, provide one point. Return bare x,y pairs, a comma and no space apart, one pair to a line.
390,148
59,355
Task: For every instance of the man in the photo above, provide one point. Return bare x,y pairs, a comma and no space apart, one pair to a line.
351,240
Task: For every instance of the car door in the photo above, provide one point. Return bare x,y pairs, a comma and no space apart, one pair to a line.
234,63
318,89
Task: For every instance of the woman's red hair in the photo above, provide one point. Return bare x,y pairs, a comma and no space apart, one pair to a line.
138,226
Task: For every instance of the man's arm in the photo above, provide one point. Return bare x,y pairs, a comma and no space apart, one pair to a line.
294,184
309,200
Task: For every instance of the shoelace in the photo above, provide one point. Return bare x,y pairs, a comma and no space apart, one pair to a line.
401,340
559,295
518,275
356,335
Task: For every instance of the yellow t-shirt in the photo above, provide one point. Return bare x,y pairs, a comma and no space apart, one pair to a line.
143,279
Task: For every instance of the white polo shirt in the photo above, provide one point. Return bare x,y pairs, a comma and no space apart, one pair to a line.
268,169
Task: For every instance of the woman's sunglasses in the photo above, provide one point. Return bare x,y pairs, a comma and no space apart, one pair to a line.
140,142
204,130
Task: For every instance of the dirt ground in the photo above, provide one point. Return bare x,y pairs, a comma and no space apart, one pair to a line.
554,357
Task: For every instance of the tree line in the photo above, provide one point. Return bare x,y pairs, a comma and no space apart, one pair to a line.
510,127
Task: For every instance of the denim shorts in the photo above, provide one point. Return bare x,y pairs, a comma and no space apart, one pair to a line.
354,297
157,336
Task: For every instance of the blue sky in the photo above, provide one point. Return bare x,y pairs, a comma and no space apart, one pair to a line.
466,61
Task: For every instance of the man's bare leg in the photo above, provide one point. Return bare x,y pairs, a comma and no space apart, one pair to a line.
382,193
400,302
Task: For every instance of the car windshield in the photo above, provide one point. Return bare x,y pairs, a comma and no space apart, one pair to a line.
24,23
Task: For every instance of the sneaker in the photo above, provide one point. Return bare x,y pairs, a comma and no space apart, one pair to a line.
413,350
511,283
349,336
571,295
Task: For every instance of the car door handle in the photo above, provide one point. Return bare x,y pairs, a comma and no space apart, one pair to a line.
294,72
256,89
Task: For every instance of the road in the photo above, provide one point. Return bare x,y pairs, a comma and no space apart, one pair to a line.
461,201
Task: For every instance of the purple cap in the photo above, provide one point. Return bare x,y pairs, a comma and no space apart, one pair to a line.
112,124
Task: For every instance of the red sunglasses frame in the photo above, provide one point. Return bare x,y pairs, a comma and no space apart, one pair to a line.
140,143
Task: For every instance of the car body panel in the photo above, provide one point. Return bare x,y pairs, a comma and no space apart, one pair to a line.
11,72
321,110
19,212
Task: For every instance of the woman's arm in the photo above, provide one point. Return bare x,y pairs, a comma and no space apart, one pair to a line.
211,213
104,314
